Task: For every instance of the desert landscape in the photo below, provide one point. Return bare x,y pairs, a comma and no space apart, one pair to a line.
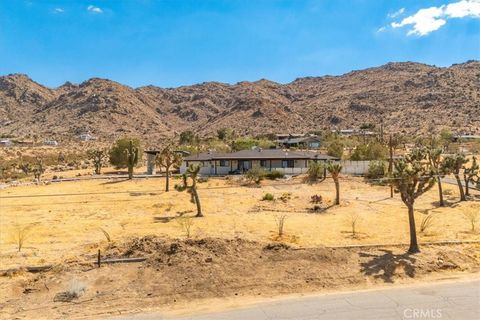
187,258
257,160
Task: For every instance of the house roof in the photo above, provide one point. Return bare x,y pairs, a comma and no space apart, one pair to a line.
259,154
298,140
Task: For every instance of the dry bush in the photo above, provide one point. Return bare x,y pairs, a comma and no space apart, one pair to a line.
353,220
280,221
286,196
75,289
186,224
106,234
21,233
472,215
427,222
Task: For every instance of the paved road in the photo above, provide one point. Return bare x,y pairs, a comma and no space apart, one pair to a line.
452,300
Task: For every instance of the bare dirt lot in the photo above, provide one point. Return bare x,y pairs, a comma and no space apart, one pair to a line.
228,254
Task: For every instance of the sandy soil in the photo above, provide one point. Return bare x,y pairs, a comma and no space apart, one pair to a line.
182,274
67,218
228,255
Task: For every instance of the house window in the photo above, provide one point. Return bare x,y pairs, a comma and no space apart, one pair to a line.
288,163
263,163
224,163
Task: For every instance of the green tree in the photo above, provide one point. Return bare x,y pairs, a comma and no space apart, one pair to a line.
98,157
334,169
452,165
471,175
168,158
335,149
125,153
370,151
412,177
187,137
436,162
225,134
192,174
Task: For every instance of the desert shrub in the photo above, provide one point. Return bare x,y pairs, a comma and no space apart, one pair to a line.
268,197
76,288
280,221
106,234
202,179
316,199
255,175
427,222
20,234
286,196
274,174
376,170
186,223
472,215
315,172
353,219
317,208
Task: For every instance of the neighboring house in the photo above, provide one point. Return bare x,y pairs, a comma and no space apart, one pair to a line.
465,137
354,132
281,136
310,142
51,143
288,162
86,137
5,142
152,155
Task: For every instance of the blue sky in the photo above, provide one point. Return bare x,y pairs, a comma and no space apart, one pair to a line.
171,43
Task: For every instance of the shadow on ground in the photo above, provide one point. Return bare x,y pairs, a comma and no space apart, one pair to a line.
385,266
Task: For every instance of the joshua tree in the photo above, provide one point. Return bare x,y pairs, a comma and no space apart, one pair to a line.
132,158
412,177
38,169
453,164
471,174
125,153
435,159
317,172
25,167
334,169
168,158
98,157
192,173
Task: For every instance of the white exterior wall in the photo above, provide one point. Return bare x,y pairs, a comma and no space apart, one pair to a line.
354,167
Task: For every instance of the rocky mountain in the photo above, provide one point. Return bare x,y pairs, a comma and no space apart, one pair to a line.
407,97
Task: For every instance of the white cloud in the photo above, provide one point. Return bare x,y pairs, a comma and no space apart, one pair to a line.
381,29
463,8
431,19
94,9
58,10
396,13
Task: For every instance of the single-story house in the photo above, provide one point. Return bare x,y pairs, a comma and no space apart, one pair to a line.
288,162
309,142
152,155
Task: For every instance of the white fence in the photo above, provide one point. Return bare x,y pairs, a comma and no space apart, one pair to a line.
355,168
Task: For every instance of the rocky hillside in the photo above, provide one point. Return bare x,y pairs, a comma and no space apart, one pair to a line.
409,97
